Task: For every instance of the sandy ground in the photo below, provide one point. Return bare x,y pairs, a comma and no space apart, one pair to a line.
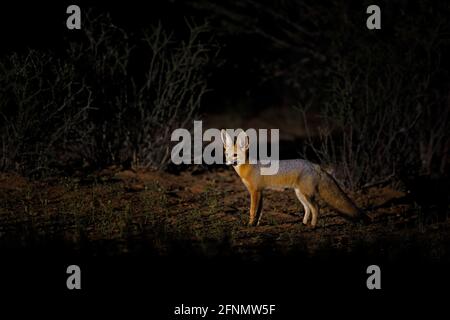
204,212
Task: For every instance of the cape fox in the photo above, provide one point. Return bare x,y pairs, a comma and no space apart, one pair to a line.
308,180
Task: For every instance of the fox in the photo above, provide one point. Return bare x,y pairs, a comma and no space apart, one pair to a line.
309,181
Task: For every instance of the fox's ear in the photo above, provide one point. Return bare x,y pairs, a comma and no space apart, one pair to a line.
242,140
226,139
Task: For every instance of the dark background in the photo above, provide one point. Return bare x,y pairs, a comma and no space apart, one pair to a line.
151,284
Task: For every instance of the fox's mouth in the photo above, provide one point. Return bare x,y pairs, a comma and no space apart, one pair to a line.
231,158
232,162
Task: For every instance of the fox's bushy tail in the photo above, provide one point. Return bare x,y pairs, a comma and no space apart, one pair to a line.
331,193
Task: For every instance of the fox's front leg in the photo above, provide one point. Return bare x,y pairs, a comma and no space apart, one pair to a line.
255,207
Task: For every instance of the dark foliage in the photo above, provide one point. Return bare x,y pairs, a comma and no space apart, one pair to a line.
108,98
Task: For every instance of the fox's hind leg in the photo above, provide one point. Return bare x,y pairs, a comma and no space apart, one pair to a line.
310,207
314,211
305,204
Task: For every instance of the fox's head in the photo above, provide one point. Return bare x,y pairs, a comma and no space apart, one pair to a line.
235,153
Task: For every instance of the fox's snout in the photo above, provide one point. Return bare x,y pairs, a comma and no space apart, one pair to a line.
231,159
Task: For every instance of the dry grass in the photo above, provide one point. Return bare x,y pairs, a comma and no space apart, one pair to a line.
116,213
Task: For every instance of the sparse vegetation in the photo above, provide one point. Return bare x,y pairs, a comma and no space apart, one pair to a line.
374,104
105,217
379,114
109,98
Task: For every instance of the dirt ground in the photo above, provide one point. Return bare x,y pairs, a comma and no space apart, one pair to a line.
204,212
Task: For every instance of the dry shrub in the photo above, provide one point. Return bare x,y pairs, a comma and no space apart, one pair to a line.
109,97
